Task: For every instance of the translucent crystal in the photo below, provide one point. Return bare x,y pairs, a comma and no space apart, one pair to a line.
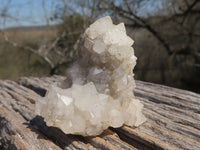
99,89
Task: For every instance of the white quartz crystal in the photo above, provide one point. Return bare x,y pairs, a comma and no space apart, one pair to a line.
99,88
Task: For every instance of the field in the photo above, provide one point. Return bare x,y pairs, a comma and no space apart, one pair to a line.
15,62
153,64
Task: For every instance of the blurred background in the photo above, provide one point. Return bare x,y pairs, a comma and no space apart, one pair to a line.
40,37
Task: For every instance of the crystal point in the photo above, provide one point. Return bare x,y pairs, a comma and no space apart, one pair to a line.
100,93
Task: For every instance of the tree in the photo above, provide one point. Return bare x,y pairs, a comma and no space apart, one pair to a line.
60,51
168,34
180,17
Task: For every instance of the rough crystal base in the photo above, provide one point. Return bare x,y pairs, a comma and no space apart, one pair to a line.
100,85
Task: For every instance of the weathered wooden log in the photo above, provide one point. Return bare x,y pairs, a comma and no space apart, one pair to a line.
173,120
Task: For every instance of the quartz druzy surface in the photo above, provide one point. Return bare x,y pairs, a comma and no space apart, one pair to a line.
99,88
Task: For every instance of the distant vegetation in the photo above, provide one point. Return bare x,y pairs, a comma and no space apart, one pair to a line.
167,43
17,62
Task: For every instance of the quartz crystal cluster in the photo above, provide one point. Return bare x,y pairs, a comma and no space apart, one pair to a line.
98,92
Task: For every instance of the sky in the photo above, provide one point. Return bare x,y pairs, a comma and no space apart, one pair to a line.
33,12
27,12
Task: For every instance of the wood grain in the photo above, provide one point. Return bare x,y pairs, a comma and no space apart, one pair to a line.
173,120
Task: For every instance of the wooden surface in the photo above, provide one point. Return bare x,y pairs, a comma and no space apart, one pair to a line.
173,120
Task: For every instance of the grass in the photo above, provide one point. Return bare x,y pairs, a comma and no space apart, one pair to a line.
15,62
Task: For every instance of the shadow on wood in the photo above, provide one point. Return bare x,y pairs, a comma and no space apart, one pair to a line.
173,120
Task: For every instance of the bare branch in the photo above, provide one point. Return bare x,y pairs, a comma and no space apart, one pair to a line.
190,7
139,21
45,12
27,48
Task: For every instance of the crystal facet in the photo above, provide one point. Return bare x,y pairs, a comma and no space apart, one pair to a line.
100,85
